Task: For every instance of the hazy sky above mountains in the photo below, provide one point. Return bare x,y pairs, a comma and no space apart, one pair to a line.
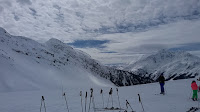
111,31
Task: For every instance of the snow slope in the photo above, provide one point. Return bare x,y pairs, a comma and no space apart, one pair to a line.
28,65
173,64
176,98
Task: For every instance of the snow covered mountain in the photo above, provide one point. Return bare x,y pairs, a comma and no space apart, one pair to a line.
172,64
26,65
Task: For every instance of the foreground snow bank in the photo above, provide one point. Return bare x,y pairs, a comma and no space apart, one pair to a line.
175,100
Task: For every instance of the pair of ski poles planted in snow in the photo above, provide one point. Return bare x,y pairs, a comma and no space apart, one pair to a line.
82,100
110,95
64,95
91,100
128,104
43,102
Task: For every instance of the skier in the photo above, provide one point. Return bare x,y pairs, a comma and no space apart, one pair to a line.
194,88
161,80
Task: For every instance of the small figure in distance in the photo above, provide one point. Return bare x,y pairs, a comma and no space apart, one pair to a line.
161,80
194,89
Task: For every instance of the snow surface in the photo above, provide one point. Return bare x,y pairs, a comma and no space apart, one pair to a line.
176,98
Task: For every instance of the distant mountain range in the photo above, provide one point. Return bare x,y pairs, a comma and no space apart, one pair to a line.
172,64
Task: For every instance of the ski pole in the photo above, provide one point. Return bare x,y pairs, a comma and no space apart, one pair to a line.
81,100
108,100
118,98
62,87
93,99
128,104
66,101
140,101
112,101
44,104
101,92
111,96
85,100
41,106
42,100
126,107
93,103
90,98
190,94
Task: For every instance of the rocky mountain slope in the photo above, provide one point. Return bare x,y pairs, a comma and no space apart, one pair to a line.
172,64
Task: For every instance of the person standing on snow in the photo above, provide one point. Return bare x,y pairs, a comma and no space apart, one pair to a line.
194,88
161,80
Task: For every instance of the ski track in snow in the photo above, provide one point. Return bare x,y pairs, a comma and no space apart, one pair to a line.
175,100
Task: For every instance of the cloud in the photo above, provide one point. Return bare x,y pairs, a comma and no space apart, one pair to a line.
4,4
1,9
77,17
130,46
33,11
130,27
188,47
24,2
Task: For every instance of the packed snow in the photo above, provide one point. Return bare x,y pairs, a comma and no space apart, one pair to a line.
176,99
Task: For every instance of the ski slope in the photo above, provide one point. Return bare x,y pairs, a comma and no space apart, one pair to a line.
175,100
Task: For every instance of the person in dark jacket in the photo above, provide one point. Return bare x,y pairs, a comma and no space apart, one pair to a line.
161,80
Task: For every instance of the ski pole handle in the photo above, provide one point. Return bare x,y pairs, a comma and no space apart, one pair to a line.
101,91
64,94
80,93
86,94
43,98
139,98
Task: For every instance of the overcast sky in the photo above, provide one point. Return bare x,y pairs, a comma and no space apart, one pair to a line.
111,31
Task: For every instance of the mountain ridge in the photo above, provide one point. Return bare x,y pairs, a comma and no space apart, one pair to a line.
26,64
173,64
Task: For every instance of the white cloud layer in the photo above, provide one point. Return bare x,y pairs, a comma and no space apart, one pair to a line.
131,46
69,20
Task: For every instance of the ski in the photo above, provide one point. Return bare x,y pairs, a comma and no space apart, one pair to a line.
104,109
193,109
159,94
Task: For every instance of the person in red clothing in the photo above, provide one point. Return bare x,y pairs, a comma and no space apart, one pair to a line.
194,88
